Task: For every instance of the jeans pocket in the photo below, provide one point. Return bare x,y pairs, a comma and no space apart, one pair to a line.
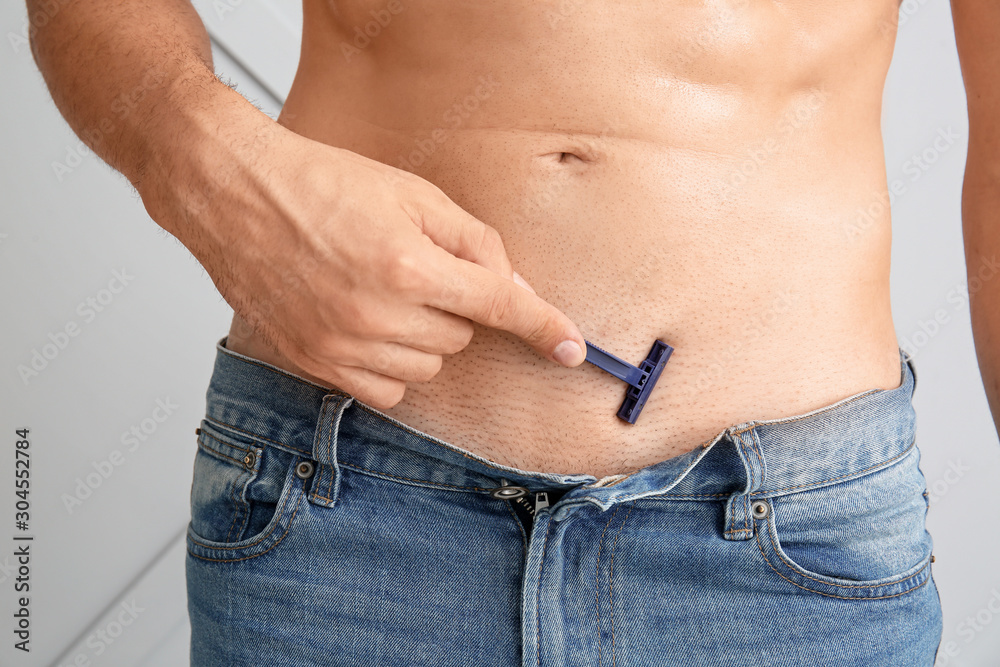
864,538
244,495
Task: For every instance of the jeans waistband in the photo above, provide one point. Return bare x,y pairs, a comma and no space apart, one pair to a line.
852,437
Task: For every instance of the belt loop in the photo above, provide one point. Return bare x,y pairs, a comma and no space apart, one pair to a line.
739,521
326,481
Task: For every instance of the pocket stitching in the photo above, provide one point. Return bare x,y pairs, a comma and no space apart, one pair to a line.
236,504
217,453
223,425
802,571
246,476
233,560
799,571
280,511
842,597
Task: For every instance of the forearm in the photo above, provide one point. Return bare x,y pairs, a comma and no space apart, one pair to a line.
981,224
134,79
976,25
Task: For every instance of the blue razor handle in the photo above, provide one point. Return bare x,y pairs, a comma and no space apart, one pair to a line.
640,380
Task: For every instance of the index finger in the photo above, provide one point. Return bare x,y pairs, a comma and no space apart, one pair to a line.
475,292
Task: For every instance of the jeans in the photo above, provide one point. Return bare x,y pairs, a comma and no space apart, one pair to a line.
324,532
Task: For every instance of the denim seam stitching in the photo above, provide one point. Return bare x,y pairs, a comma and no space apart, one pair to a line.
255,543
611,584
233,560
274,369
745,498
244,505
259,437
597,581
236,514
820,411
851,474
733,521
236,483
524,538
212,450
797,571
760,457
316,494
382,475
841,597
538,598
236,504
676,479
329,449
364,407
760,460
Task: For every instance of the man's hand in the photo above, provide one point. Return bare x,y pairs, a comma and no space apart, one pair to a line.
361,274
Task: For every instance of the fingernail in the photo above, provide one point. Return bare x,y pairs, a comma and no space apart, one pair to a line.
568,353
520,281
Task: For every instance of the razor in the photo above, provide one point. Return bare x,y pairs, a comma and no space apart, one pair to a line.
640,379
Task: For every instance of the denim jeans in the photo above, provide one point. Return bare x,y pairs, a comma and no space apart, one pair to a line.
324,532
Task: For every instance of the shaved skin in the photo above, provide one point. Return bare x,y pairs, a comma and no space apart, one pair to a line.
706,172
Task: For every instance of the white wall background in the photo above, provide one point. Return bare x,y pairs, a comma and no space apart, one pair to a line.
64,232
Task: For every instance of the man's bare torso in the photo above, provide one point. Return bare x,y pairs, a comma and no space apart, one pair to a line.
707,173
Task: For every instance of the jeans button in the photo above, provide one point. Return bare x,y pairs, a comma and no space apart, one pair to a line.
760,509
304,470
507,492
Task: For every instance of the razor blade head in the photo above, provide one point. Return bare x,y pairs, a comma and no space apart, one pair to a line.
652,367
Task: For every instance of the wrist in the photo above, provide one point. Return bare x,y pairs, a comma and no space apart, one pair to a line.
202,133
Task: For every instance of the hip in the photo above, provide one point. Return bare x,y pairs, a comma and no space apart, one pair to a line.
323,527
